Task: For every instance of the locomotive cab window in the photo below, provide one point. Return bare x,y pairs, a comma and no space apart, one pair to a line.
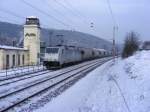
52,50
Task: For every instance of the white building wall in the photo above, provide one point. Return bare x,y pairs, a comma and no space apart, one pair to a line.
32,43
1,59
5,52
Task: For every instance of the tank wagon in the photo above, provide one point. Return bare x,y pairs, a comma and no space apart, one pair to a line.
64,55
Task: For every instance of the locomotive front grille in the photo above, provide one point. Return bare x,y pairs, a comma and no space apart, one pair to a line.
51,63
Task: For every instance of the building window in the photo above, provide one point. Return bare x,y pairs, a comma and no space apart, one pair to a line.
18,59
93,53
38,55
99,53
7,61
104,53
23,59
14,60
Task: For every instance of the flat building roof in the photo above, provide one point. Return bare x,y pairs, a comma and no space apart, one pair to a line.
12,48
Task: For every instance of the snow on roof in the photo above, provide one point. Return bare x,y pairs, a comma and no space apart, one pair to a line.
99,49
11,47
31,17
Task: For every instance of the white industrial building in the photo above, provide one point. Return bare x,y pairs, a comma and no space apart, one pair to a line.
28,55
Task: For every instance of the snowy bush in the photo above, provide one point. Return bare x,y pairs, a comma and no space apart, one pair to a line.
131,44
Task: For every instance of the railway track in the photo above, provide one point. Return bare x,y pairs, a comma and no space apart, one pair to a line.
9,86
6,89
13,98
23,74
26,77
21,78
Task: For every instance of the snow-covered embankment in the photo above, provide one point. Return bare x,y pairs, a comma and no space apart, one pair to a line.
120,87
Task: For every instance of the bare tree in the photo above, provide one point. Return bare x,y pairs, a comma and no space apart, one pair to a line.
131,44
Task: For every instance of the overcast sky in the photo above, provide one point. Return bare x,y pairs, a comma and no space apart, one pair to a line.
79,14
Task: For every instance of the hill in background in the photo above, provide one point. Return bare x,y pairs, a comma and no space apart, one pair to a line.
12,32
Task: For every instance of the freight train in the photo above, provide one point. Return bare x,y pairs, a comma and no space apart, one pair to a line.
64,55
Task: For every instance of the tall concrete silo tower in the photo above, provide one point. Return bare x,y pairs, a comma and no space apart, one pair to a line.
32,39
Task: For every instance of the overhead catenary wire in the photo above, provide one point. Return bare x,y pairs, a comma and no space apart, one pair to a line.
20,17
115,27
15,15
77,12
11,13
55,10
15,21
62,5
9,20
72,12
46,14
111,12
40,11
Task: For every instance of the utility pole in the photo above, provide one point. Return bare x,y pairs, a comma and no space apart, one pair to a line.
50,38
14,43
61,39
115,28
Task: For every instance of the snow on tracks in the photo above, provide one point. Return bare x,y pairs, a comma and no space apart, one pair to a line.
12,99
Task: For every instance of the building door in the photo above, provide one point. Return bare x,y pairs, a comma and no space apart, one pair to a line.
18,59
14,60
7,61
22,59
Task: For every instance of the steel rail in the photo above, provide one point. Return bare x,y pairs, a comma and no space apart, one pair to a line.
22,100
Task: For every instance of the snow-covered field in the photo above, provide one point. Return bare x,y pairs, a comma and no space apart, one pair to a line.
120,87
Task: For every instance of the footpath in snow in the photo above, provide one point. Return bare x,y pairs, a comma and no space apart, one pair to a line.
120,87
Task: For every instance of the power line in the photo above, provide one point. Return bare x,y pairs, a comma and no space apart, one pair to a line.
84,19
45,13
15,15
11,13
62,5
90,24
48,4
69,10
9,20
77,12
44,26
111,12
37,9
115,28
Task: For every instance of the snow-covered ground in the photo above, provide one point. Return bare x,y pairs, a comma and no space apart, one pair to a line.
20,71
120,87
